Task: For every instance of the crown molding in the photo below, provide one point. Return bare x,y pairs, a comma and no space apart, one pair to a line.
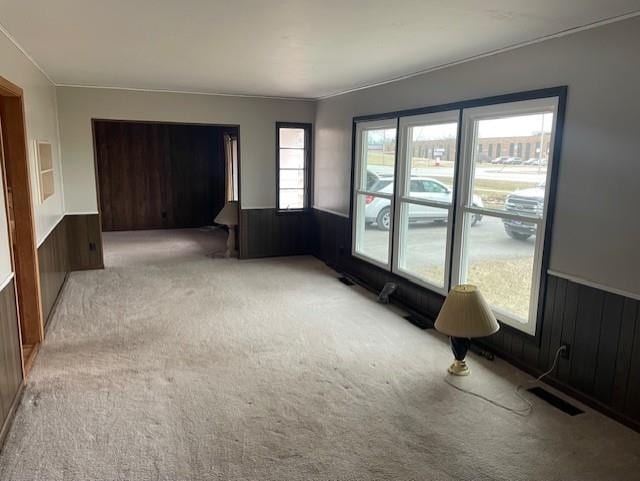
187,92
25,53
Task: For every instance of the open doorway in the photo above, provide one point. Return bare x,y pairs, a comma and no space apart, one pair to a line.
20,225
158,180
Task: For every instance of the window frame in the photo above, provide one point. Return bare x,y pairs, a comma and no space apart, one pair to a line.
308,167
358,171
560,93
403,174
465,197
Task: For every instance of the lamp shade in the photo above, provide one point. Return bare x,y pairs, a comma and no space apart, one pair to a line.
228,215
465,313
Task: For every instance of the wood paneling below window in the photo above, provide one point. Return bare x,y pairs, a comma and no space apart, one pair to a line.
603,329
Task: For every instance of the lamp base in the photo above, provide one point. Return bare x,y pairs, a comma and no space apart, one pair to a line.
231,246
459,346
459,368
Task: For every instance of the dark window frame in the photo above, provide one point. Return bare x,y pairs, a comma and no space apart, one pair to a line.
308,166
561,93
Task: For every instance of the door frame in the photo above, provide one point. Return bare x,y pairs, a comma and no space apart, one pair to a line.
24,253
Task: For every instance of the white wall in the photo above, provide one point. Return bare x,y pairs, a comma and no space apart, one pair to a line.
596,233
256,117
41,124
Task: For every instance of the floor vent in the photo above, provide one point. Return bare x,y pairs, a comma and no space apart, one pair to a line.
555,401
346,281
419,321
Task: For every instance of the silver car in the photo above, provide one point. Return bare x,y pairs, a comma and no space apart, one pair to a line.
378,210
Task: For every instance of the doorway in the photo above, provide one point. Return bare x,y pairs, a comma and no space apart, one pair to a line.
153,175
20,222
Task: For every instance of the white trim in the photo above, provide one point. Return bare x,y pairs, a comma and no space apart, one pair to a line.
41,241
491,53
357,228
595,285
92,212
329,211
188,92
403,197
24,52
5,283
465,198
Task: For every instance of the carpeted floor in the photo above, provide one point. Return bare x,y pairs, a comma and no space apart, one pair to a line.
171,365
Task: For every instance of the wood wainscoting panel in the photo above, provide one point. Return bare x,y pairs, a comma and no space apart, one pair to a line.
10,360
84,239
53,259
267,233
602,328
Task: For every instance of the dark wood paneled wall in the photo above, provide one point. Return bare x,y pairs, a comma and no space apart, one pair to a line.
53,260
266,232
603,329
154,175
10,360
75,244
84,237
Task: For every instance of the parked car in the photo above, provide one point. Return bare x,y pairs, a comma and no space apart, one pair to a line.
377,182
499,160
535,161
528,202
378,209
513,161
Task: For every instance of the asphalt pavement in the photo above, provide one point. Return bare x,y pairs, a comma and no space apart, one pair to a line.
427,243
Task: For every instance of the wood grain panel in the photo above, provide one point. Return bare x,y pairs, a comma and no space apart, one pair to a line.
53,261
585,348
84,242
10,356
603,329
153,175
269,233
608,340
628,327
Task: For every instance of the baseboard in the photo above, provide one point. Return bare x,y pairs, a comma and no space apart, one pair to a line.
8,422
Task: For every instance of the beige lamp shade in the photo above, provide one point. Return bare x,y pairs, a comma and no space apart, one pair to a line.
465,313
228,215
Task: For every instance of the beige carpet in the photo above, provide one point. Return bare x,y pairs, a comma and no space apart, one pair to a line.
170,365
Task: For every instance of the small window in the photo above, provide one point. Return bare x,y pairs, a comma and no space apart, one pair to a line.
45,170
293,153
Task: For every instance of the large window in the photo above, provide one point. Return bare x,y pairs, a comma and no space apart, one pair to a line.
374,188
459,217
293,152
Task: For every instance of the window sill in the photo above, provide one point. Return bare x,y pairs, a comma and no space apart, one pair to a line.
292,211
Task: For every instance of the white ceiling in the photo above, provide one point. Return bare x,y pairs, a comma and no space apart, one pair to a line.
288,48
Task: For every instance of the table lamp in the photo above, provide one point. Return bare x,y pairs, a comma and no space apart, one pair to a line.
229,216
465,314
